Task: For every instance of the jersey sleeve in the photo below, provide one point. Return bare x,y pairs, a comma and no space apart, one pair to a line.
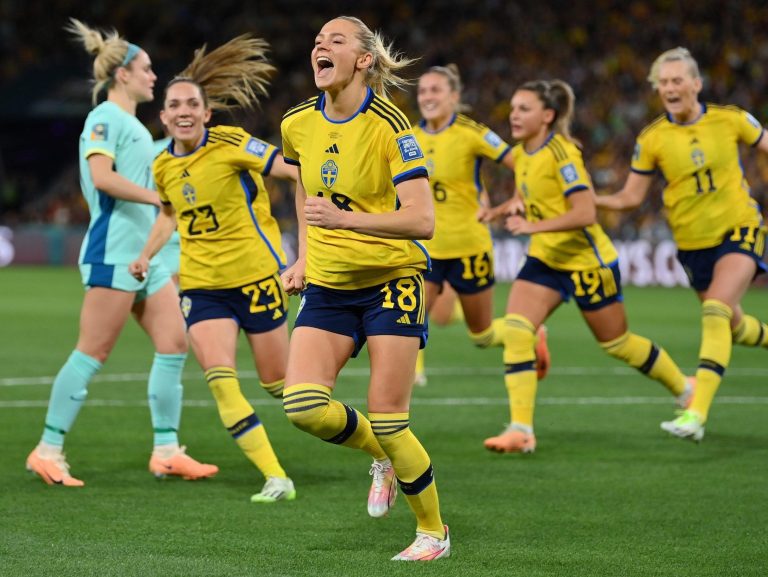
749,128
157,174
102,132
491,145
406,160
255,154
643,162
571,173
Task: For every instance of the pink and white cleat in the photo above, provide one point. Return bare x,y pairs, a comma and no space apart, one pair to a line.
426,548
383,491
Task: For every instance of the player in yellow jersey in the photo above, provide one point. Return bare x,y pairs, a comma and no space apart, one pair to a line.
717,226
362,201
569,256
230,243
454,147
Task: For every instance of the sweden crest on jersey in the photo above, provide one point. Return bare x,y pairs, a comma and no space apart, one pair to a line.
189,193
328,173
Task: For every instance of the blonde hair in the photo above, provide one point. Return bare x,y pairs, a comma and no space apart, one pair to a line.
557,95
678,54
383,72
451,73
110,51
234,75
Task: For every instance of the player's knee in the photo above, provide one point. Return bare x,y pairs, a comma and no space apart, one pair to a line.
519,338
306,405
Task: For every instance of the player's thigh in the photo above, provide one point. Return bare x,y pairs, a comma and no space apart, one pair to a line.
731,277
478,309
160,317
441,306
316,356
102,318
214,342
393,360
434,296
533,301
270,353
608,322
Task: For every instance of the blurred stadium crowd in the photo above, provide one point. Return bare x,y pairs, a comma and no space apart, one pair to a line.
603,48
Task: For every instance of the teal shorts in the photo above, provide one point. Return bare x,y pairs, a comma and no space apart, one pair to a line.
117,277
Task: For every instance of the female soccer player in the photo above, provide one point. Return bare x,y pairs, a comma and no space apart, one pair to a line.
461,249
230,243
115,165
362,201
718,228
569,255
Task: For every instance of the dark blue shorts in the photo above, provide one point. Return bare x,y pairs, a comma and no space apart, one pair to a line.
591,289
700,264
257,307
393,308
467,275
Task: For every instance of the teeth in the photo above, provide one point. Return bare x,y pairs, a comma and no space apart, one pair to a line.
323,59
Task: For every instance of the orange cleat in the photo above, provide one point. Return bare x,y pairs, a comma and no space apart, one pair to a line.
512,441
51,467
543,360
181,465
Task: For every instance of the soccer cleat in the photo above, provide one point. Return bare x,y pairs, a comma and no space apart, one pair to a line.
181,465
684,399
512,440
426,548
543,359
687,426
51,467
381,497
275,489
420,380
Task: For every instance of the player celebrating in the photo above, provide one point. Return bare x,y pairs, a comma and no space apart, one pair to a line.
362,199
569,255
115,165
461,249
718,228
230,243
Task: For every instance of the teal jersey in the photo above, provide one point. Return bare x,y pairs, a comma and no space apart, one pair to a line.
118,229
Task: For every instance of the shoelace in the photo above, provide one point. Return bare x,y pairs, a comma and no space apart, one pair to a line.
378,472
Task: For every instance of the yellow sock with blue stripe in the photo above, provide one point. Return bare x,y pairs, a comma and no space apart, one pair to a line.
519,336
714,354
274,388
648,358
310,408
493,336
751,332
412,468
241,421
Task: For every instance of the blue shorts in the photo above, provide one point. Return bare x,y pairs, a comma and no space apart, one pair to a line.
393,308
591,289
257,307
116,276
700,264
467,275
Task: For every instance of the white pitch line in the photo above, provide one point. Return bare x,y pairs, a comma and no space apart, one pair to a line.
437,402
463,372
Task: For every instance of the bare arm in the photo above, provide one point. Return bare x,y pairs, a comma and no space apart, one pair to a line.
582,213
158,236
631,196
415,219
281,169
116,185
762,145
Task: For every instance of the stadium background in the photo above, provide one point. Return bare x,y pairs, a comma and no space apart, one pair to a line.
602,48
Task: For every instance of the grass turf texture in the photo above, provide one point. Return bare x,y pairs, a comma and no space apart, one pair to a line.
607,492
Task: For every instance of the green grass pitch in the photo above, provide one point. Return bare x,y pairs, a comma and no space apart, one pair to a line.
606,494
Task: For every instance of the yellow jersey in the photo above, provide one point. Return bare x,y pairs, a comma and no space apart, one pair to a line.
229,237
706,194
355,163
545,178
453,156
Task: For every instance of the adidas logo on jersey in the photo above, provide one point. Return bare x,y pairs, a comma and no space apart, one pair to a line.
185,174
404,320
333,149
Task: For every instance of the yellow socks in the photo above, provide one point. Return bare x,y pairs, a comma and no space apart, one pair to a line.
275,389
413,469
310,408
714,354
649,359
493,336
751,332
519,337
241,421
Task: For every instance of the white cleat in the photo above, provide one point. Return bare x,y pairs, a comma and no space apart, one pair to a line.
426,548
275,489
687,426
383,491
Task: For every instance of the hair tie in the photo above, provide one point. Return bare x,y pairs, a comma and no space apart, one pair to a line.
133,50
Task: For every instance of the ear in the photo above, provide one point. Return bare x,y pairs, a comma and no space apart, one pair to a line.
697,84
549,116
121,74
163,118
207,118
364,61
